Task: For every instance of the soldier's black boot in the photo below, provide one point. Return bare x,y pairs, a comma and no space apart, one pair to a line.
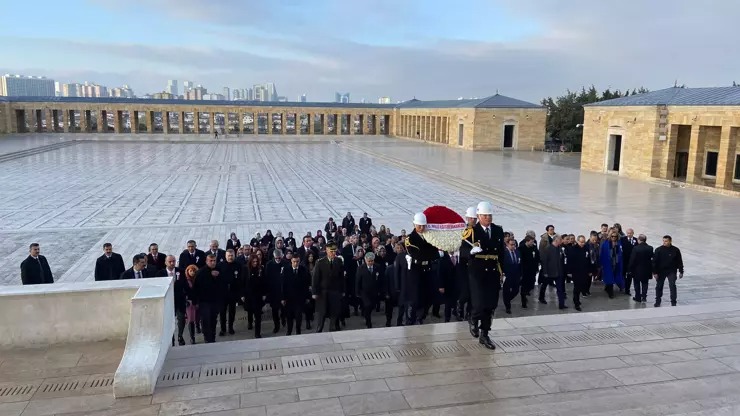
486,341
474,328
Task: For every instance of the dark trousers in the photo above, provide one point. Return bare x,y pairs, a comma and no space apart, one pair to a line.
367,311
544,282
257,323
484,314
309,309
229,309
579,286
391,303
641,288
412,314
560,288
332,309
627,282
671,276
511,290
528,281
209,318
181,320
276,309
294,315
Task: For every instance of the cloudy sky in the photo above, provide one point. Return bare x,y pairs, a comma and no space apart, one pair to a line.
429,49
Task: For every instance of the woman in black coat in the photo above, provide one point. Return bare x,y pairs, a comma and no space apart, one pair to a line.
256,293
233,242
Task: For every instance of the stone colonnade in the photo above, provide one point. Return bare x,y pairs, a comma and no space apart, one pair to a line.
429,128
250,120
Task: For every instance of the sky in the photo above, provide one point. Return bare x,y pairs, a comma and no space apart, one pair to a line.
403,49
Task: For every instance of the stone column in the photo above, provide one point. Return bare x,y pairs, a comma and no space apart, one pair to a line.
324,120
433,129
65,121
240,122
72,121
149,121
86,120
118,121
212,121
696,156
361,117
338,121
49,120
667,168
726,157
283,122
181,122
133,119
102,121
309,123
351,123
166,122
255,122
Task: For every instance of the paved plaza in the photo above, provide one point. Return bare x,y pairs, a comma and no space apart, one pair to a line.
667,361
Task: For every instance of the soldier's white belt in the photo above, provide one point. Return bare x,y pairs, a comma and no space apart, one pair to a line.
486,257
423,263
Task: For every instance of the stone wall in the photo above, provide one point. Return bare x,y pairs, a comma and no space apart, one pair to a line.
5,118
529,130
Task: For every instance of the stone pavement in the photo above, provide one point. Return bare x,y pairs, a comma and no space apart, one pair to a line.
683,360
134,190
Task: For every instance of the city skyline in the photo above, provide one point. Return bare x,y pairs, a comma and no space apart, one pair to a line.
529,49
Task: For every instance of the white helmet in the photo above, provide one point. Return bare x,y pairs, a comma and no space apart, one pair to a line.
420,219
470,213
484,208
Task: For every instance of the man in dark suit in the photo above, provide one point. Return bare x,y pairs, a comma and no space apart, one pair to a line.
485,272
138,270
366,286
219,253
296,293
233,276
641,267
628,244
330,228
530,258
513,274
348,222
274,272
170,270
209,291
110,265
553,270
578,266
365,224
192,255
154,258
35,269
307,247
328,287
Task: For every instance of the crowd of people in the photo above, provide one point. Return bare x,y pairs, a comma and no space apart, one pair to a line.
355,268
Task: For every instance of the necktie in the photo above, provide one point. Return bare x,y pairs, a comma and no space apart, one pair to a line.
138,275
513,260
295,272
488,232
371,270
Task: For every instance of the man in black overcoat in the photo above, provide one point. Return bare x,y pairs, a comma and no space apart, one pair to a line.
328,287
35,269
110,265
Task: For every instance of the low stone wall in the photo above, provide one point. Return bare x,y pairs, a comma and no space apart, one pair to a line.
141,311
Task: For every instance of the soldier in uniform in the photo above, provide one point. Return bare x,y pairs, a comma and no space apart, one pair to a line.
485,271
463,303
415,288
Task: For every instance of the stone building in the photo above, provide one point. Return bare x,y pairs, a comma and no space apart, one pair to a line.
687,136
491,123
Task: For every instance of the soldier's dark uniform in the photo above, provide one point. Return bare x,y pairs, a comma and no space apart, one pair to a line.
415,288
463,280
485,278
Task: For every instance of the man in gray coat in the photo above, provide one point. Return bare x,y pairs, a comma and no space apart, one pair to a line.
553,270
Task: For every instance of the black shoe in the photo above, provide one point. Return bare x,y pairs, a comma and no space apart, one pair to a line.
635,299
656,305
344,323
231,331
542,301
308,325
357,313
192,340
474,329
628,293
524,306
437,315
221,333
508,310
197,329
673,303
387,324
289,333
563,307
486,341
258,336
181,341
578,308
250,327
611,296
276,330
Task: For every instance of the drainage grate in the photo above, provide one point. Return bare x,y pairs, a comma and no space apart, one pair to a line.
605,335
13,391
412,352
578,338
98,382
696,329
379,355
220,371
545,340
446,349
512,343
639,334
669,331
179,376
61,386
256,368
721,325
302,363
339,359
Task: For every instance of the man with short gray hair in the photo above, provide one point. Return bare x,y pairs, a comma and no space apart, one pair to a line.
366,286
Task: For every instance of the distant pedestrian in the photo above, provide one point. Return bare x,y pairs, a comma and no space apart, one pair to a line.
35,269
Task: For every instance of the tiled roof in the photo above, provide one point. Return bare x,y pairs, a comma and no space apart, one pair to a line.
678,96
494,101
109,100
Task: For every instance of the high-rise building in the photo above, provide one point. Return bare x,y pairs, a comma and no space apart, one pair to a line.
195,93
213,96
172,87
93,90
69,90
227,94
123,92
260,93
384,100
302,98
26,86
341,98
187,85
271,92
164,95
